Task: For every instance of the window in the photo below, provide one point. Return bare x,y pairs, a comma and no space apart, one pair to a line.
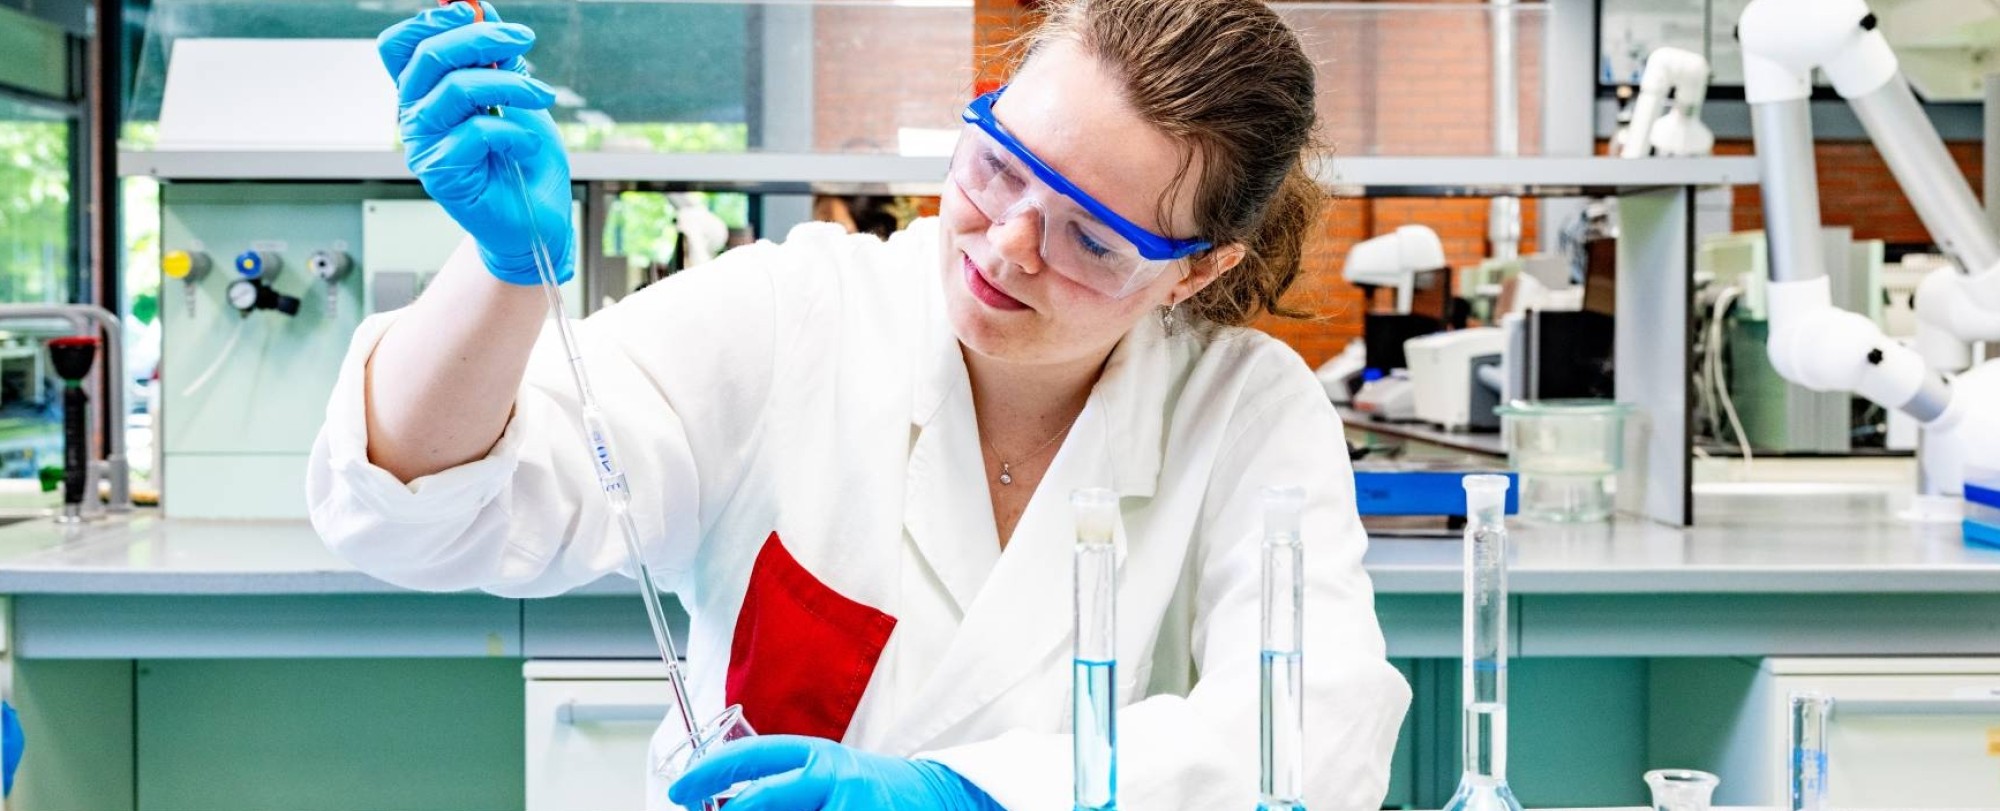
36,222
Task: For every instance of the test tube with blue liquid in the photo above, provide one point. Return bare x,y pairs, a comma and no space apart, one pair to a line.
1282,708
1483,787
1096,665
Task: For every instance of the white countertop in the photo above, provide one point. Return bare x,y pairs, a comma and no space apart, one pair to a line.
1749,539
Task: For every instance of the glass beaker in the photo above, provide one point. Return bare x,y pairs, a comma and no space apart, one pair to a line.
1681,789
727,726
1567,452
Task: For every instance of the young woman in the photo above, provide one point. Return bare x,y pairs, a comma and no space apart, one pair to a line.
853,458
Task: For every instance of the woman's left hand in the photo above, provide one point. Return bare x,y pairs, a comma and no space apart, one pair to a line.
796,773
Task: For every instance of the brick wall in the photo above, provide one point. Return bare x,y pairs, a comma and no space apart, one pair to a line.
878,69
1405,82
1417,83
1391,83
998,27
1856,190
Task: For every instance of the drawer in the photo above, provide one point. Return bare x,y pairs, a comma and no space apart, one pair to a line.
587,740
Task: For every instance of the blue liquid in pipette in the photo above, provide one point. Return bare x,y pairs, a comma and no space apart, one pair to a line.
1096,735
1283,672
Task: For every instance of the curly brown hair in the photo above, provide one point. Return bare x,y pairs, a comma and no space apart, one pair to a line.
1230,80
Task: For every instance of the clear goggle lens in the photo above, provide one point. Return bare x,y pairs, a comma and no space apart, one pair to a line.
1074,243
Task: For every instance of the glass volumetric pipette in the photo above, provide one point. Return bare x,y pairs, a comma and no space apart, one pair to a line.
610,475
1484,784
1095,699
1282,709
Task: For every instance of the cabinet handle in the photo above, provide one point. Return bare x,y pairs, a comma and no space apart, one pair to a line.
570,713
1918,706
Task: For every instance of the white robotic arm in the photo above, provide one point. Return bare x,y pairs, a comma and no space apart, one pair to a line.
1813,343
1680,131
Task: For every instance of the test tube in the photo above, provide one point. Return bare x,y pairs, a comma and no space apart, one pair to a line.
1096,663
1808,751
1283,702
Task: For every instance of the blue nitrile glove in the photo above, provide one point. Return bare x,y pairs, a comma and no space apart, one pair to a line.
439,59
797,773
12,742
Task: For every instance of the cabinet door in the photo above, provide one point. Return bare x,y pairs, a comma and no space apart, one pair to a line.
1906,741
587,742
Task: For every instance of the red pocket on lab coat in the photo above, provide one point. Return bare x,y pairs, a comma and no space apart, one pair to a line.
803,654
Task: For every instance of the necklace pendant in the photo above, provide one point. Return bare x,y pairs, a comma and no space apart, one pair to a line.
1006,477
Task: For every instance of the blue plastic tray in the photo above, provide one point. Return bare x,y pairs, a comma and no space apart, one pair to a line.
1982,533
1422,492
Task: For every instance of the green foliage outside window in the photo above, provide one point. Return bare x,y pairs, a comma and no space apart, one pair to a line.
34,211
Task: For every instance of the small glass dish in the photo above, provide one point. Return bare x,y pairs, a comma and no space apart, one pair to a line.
1681,789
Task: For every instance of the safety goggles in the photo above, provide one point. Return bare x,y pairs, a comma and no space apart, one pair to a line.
1082,239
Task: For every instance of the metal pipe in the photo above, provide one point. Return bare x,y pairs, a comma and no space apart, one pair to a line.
106,117
1504,213
1990,145
1929,177
86,317
1783,133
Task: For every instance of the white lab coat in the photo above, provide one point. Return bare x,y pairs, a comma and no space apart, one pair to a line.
814,389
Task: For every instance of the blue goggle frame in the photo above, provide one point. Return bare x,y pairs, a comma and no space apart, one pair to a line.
1151,246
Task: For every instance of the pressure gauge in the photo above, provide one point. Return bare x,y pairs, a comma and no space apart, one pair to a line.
255,264
249,295
243,295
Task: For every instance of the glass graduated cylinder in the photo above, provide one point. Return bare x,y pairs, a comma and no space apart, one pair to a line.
1096,734
1094,694
1484,675
1283,714
1282,663
1484,680
1807,764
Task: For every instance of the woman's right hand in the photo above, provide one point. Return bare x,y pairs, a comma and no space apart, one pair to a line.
444,65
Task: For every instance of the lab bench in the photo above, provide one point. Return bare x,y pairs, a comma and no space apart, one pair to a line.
191,649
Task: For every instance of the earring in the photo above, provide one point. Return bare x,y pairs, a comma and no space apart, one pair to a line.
1170,317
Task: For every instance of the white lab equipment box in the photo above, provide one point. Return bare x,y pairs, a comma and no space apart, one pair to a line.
1445,367
1904,733
588,726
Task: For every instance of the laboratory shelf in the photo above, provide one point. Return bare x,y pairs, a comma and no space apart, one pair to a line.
798,172
1526,176
775,172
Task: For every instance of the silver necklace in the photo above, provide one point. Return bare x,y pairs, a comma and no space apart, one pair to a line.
1007,468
